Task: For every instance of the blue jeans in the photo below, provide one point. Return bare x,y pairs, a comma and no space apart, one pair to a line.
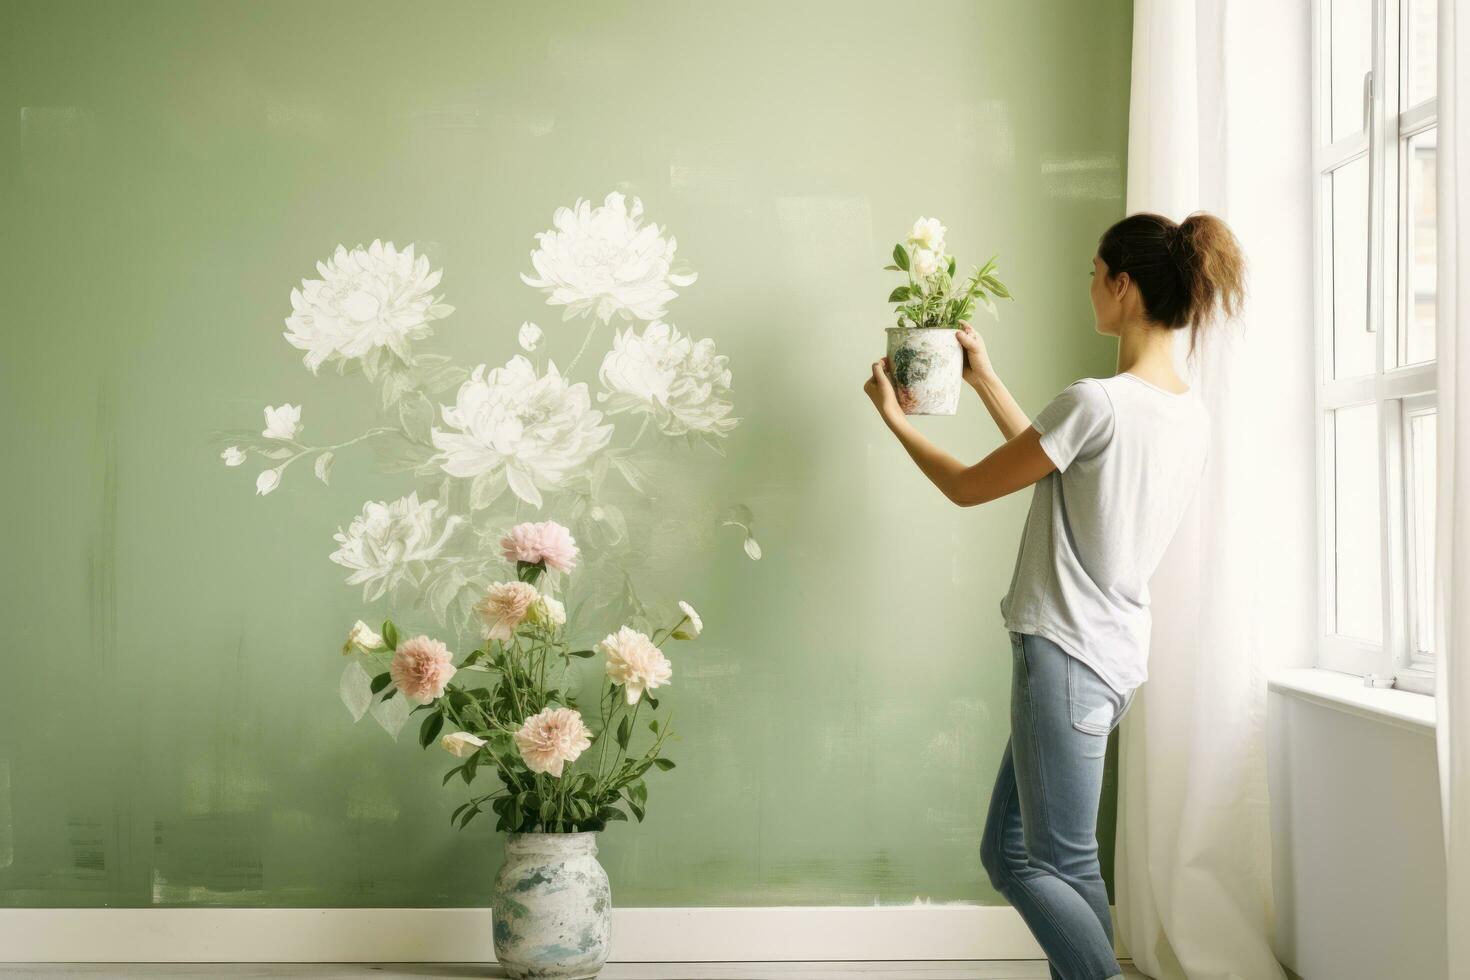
1040,841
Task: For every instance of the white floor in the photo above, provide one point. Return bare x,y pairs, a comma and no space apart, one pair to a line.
838,970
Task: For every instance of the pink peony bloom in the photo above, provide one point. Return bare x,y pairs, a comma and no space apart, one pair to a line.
541,541
635,662
421,668
504,607
551,738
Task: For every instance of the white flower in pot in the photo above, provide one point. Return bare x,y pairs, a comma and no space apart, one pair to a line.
923,353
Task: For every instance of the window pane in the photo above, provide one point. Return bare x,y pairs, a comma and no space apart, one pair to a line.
1353,347
1351,56
1420,43
1359,597
1422,254
1421,503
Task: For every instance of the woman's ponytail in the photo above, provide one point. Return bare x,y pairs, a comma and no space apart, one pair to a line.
1216,269
1188,274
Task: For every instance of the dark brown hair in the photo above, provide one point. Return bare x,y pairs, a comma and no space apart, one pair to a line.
1188,275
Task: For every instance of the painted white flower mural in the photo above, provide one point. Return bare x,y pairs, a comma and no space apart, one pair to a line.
464,437
530,337
604,261
366,299
532,429
282,423
382,543
680,383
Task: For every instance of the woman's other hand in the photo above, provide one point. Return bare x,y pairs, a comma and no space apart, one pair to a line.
977,358
880,389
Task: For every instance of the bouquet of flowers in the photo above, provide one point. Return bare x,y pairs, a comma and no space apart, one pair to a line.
933,297
523,722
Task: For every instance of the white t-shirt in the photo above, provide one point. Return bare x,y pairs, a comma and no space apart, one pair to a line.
1129,459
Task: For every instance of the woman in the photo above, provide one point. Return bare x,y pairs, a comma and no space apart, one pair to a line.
1115,462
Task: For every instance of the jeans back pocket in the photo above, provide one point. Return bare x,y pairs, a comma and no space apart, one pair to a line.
1092,703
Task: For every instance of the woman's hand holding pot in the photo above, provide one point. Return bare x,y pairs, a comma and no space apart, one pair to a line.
977,358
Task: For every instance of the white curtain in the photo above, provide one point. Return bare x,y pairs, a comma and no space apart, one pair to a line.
1452,681
1220,120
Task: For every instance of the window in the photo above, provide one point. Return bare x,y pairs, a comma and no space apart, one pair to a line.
1376,115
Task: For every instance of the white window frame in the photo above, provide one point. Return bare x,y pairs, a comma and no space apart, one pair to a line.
1398,392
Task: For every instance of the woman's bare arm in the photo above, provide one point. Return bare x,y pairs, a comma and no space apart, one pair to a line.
980,375
1002,407
1014,465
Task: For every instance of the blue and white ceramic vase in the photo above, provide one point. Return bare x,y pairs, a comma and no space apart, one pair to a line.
552,907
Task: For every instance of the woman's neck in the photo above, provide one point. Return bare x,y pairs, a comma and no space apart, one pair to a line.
1148,352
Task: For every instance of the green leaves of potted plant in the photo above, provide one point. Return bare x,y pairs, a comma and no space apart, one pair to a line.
925,357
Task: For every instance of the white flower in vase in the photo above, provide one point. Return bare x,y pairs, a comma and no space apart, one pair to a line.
604,261
461,745
362,638
634,661
380,543
548,611
682,383
366,298
537,429
694,627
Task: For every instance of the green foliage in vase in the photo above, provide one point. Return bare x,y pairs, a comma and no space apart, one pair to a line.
933,297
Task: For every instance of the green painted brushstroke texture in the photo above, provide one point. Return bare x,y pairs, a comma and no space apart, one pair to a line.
169,726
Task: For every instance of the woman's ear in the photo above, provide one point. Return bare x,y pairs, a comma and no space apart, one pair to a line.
1121,282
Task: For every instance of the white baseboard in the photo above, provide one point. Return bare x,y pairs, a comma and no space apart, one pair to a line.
239,935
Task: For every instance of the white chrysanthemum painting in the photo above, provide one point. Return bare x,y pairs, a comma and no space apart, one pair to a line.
380,543
531,426
538,429
366,298
680,382
604,261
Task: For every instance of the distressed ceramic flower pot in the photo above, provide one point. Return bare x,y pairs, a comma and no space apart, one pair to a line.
927,364
552,907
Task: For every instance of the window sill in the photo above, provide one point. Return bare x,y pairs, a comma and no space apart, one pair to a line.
1346,692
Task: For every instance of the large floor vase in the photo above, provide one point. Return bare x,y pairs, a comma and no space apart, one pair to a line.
552,907
926,364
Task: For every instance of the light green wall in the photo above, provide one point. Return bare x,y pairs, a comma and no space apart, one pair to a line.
169,724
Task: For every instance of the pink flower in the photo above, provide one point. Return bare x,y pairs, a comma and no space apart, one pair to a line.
635,662
421,668
505,605
541,541
552,738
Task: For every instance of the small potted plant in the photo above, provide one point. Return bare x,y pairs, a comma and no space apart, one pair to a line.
924,356
559,776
